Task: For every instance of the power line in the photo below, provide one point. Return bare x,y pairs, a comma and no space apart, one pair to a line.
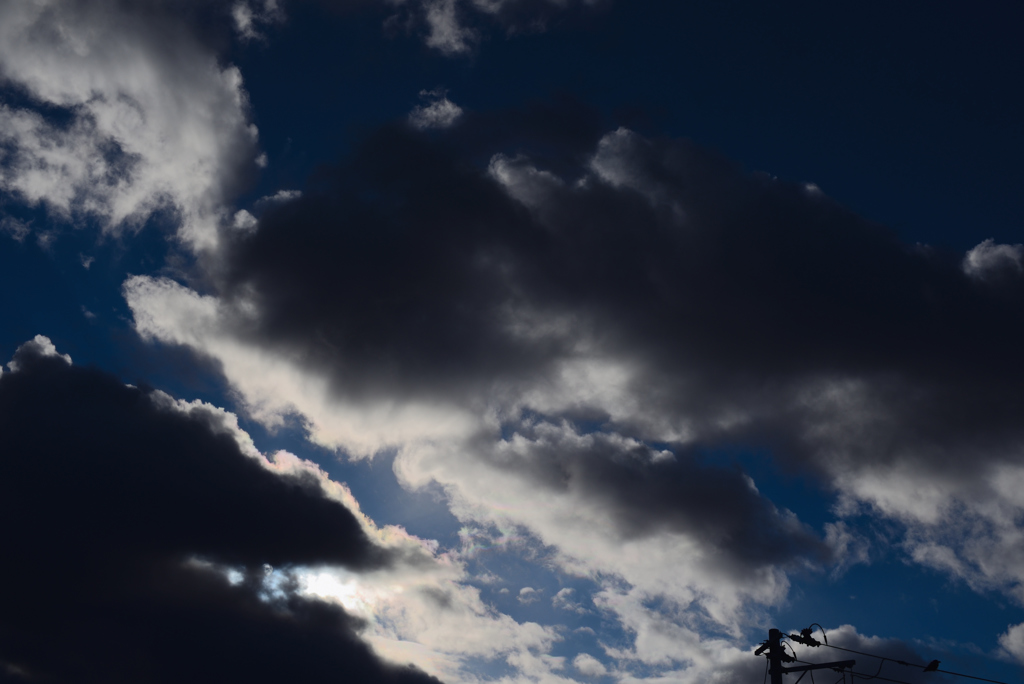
930,667
857,675
900,662
776,656
860,675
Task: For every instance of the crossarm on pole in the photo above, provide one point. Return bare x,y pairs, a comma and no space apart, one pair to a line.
839,664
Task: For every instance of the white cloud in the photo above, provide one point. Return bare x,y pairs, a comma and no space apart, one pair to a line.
961,523
18,230
663,638
524,182
244,221
427,615
964,526
247,16
563,600
581,528
446,33
155,121
244,20
1012,642
589,666
989,258
439,113
279,197
619,161
40,345
273,387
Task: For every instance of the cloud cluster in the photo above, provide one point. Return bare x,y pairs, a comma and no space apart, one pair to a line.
570,338
573,353
248,17
440,112
142,534
155,525
122,112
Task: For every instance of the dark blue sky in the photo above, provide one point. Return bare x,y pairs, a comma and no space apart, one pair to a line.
906,113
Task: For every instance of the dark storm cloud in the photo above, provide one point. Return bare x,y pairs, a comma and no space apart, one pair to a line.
740,286
752,313
114,507
645,493
558,134
407,248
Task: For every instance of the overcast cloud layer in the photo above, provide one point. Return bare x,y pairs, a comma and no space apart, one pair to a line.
568,352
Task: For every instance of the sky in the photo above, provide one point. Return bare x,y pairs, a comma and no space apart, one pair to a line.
509,341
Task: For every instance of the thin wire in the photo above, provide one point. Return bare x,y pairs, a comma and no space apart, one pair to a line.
858,675
957,674
883,659
872,655
906,664
881,664
765,671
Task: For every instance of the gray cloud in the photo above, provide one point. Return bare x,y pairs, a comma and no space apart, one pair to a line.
649,295
989,260
440,112
731,293
645,493
120,507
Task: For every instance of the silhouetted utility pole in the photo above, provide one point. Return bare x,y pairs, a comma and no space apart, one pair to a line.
777,656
